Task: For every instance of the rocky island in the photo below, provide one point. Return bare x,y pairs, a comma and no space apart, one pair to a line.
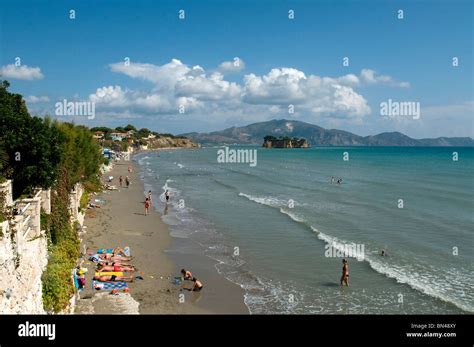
284,142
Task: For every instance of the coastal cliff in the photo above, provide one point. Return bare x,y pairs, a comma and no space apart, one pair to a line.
285,142
166,142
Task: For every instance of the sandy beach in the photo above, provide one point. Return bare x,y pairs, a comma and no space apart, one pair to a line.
158,257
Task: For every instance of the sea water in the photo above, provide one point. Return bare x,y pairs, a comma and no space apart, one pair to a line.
268,227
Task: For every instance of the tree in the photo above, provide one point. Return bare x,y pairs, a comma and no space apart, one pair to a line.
130,127
31,144
144,132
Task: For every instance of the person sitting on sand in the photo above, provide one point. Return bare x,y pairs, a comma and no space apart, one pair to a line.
147,206
197,287
187,275
113,278
114,268
345,273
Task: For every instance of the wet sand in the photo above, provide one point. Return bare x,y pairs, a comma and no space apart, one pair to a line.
121,221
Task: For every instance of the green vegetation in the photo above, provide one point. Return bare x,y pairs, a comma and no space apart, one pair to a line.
32,145
84,200
49,154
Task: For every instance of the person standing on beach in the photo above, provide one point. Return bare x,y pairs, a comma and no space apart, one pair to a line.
121,180
167,195
149,197
147,206
127,181
129,169
345,273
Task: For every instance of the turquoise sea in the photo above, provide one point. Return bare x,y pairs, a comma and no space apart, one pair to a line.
268,226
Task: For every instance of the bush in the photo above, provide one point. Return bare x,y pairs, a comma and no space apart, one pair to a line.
84,200
57,284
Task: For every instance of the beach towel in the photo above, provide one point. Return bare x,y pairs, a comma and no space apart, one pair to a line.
76,282
111,250
105,250
109,285
108,274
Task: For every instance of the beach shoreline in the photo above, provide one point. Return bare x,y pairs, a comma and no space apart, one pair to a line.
157,255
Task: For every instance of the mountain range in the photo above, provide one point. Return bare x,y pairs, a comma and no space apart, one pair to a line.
317,136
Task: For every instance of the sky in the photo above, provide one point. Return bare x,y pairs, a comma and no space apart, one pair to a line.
232,63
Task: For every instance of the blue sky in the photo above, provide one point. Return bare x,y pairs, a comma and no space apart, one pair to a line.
282,62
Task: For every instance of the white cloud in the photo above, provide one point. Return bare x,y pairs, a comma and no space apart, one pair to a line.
311,94
164,76
32,99
370,77
116,99
22,72
209,95
202,87
232,66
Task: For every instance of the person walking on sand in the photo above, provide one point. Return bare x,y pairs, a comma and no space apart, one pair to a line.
167,195
147,206
345,273
121,180
127,181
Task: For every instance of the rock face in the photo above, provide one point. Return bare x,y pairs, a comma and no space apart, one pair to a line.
286,142
166,142
21,265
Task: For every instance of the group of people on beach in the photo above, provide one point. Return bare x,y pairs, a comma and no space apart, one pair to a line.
188,276
113,261
149,200
127,181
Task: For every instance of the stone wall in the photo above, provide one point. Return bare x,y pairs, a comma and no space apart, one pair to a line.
75,203
23,258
